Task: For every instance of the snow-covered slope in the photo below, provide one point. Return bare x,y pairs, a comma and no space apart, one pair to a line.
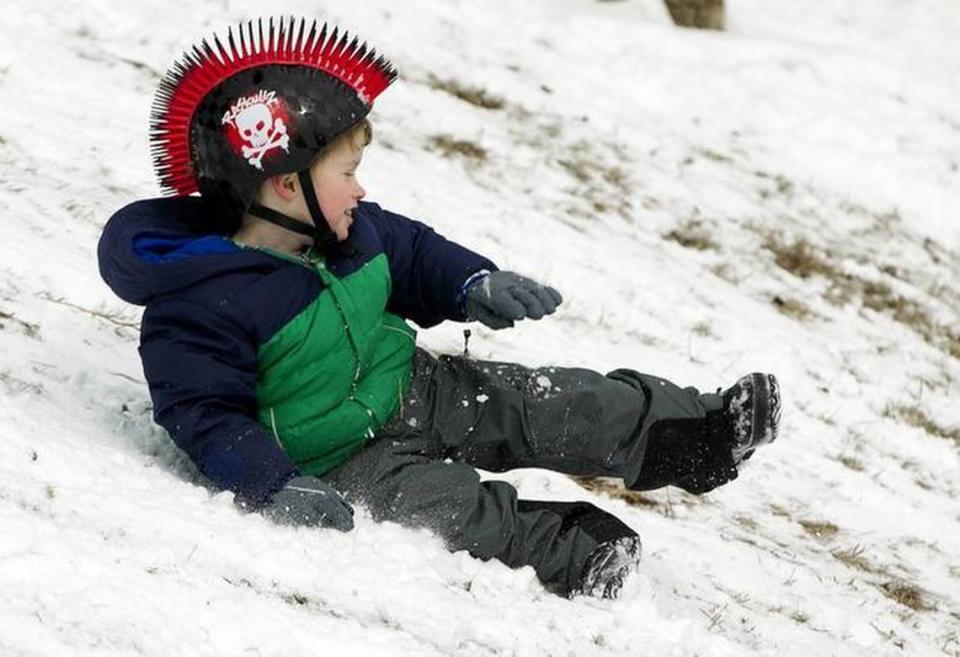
784,196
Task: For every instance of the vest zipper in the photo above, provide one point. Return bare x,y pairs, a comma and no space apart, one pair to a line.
324,274
273,425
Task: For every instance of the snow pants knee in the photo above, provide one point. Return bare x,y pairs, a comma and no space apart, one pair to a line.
462,414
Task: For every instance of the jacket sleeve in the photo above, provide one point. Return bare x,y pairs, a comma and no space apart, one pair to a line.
427,270
201,370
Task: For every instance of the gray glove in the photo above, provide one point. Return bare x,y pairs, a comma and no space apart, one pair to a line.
309,502
502,297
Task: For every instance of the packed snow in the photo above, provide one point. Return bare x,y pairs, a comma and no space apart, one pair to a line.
783,196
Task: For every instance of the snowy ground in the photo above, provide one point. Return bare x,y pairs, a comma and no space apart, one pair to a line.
784,196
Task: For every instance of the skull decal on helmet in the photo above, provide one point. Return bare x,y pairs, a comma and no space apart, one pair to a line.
256,126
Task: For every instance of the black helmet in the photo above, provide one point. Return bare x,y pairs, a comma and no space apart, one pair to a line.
227,118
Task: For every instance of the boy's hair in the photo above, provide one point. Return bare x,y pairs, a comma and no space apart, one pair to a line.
364,128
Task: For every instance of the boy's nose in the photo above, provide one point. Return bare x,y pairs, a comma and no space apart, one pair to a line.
361,192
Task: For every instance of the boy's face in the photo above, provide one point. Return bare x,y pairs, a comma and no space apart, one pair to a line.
335,179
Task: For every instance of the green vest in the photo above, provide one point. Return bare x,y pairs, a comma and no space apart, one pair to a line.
330,378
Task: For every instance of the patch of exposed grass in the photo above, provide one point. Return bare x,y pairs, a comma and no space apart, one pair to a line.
703,329
854,558
917,417
799,617
725,271
615,489
693,234
820,529
746,522
449,146
476,96
907,594
16,386
580,169
781,185
603,185
296,599
778,510
30,330
803,260
851,462
793,308
800,258
881,298
714,155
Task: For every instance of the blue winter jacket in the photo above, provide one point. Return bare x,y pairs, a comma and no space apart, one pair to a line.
211,305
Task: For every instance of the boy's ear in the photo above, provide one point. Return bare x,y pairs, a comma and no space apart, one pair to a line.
283,185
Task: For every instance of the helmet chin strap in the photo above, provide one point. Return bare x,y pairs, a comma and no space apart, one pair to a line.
324,239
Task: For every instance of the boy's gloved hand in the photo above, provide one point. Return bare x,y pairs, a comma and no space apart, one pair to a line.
502,297
310,502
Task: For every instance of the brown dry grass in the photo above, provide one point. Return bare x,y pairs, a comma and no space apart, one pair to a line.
851,462
693,234
855,558
603,185
820,529
800,258
805,261
907,594
793,308
778,510
449,146
917,417
616,490
476,96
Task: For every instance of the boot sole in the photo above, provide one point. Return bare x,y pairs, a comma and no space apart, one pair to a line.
765,408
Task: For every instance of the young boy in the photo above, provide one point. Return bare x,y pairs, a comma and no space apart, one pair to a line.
278,358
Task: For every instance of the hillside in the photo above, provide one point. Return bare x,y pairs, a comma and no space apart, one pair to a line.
783,196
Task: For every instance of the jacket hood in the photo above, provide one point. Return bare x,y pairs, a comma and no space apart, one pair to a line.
151,248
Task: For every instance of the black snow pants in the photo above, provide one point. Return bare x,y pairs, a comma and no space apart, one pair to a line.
462,413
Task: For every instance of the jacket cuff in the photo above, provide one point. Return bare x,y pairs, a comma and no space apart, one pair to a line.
474,278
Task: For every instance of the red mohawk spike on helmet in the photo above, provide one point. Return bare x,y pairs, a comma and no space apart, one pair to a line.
203,68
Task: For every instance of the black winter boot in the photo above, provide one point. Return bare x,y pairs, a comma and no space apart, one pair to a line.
608,566
748,418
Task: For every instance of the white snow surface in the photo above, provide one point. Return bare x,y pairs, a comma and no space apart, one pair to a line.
836,122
